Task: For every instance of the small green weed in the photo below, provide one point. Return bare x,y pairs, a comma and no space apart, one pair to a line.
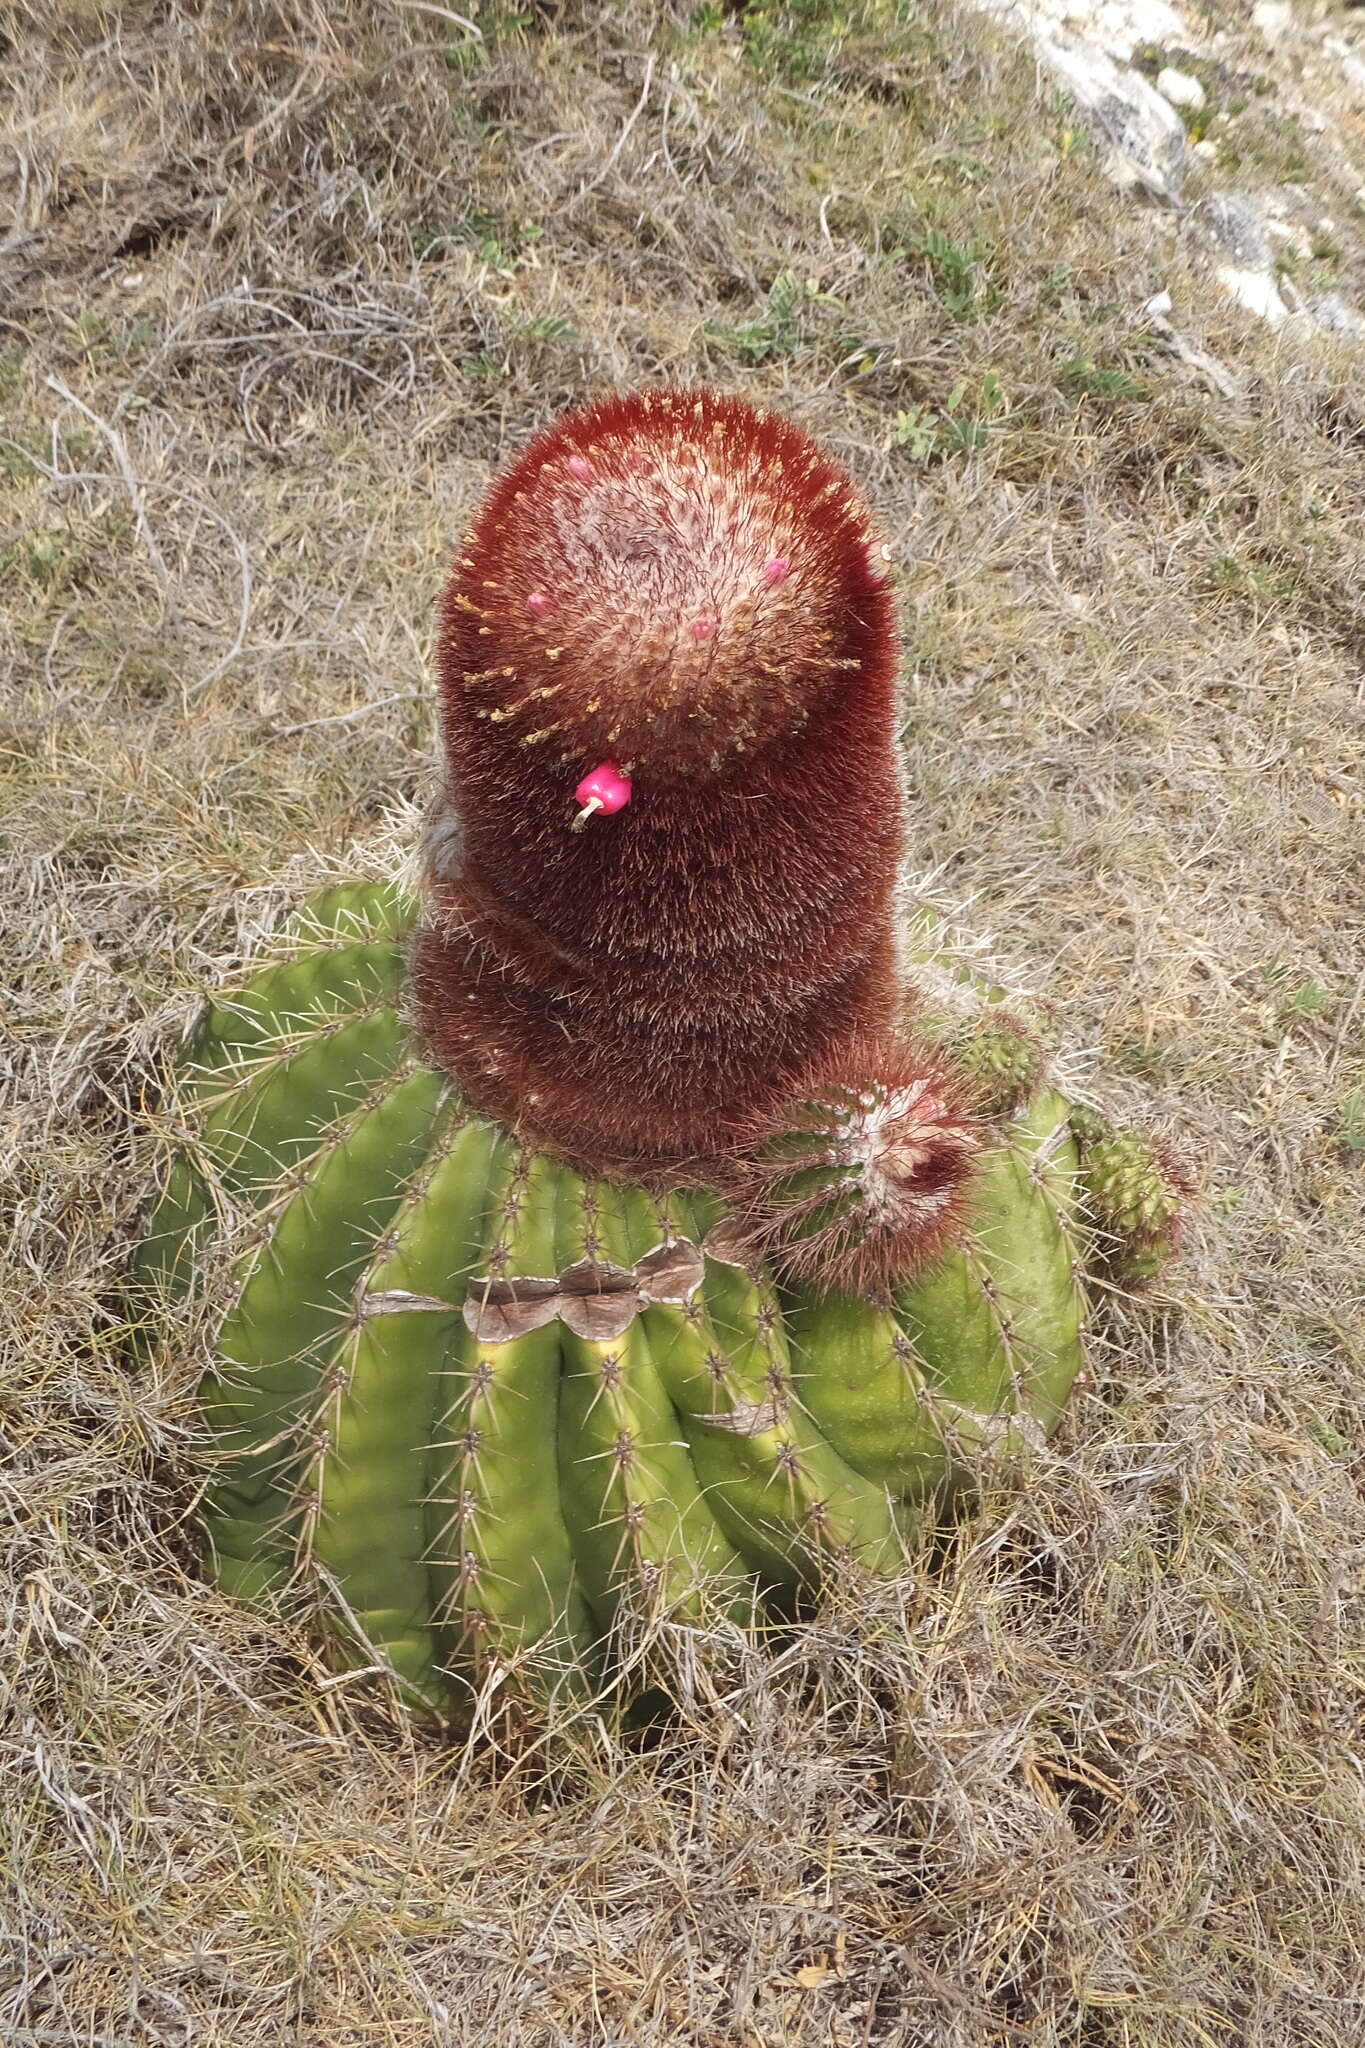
11,373
794,42
1351,1120
28,451
959,275
1228,572
544,327
961,427
499,242
102,340
1144,1058
1082,377
41,555
1330,1440
1296,1001
783,327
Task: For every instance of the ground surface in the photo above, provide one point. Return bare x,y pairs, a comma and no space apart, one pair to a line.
280,284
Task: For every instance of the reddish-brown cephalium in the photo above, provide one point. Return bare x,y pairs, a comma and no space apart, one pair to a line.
660,881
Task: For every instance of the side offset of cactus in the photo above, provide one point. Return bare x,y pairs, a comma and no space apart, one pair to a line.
863,1177
1133,1198
466,1403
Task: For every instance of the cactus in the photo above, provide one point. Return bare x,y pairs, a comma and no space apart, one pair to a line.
650,1215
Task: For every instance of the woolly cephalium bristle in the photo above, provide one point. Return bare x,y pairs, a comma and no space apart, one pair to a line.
672,580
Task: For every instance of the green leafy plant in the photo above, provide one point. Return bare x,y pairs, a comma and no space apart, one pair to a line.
782,328
959,274
961,426
1082,377
1351,1120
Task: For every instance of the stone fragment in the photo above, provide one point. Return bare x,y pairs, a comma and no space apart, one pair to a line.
1274,19
1179,87
1142,135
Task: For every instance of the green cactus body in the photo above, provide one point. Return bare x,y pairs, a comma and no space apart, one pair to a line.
271,1074
463,1404
862,1381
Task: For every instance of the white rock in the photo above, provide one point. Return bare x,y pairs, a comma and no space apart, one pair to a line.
1351,67
1130,22
1334,316
1293,239
1179,87
1145,137
1256,291
1159,306
1115,26
1206,151
1233,225
1274,19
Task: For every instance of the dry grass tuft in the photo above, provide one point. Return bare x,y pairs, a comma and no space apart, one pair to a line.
281,281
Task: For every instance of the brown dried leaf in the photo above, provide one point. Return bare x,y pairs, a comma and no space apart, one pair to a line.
495,1311
671,1272
597,1299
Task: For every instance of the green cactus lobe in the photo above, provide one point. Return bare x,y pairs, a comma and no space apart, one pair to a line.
373,1475
498,1545
632,1493
262,1398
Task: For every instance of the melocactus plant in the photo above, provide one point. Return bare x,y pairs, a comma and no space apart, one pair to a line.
614,1227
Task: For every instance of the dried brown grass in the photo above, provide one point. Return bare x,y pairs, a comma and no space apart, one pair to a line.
282,281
